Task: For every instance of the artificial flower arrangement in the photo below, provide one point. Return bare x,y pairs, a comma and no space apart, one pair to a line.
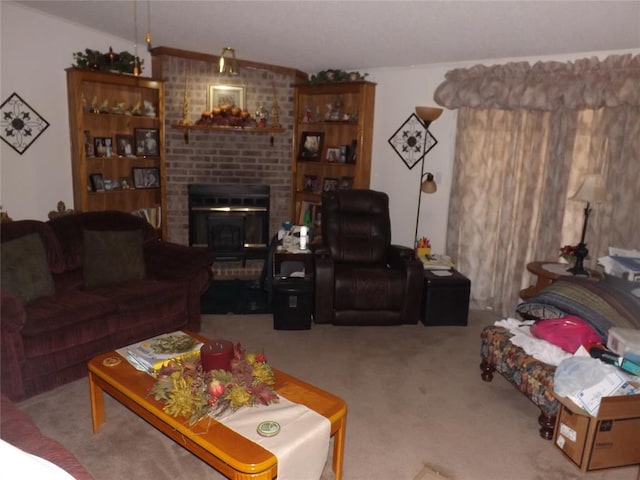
568,253
189,391
337,76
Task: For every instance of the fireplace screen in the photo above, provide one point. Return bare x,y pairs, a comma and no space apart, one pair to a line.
231,220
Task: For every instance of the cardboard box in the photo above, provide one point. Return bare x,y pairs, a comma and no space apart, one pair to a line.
610,439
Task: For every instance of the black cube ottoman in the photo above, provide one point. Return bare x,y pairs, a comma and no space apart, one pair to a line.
445,298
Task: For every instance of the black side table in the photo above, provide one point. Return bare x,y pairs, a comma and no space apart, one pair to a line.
445,298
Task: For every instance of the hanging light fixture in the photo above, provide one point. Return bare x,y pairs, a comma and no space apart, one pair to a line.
227,63
147,37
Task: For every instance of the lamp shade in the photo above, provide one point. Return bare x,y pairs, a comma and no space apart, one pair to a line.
592,189
428,114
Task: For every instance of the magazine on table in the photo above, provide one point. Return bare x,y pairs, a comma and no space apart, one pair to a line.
436,262
151,354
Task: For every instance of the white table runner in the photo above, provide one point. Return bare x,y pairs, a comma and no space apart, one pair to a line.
301,447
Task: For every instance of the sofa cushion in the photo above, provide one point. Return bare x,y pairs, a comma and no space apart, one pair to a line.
69,230
112,257
25,271
146,307
20,228
59,327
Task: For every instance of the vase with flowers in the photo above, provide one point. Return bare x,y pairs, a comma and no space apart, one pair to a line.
190,391
568,254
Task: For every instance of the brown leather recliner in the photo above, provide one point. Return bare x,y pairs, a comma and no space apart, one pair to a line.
361,278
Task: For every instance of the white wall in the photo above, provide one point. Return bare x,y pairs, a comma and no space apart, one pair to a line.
36,49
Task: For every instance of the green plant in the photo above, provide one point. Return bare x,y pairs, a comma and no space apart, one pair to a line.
337,76
122,62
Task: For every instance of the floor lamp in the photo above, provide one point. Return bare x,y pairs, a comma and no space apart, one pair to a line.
591,191
427,185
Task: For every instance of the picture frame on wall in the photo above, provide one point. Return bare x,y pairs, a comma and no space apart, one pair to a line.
147,142
125,145
226,95
310,146
145,177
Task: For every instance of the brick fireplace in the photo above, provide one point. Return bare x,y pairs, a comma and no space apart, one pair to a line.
224,157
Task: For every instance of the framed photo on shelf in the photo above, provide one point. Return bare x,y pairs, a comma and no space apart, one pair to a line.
310,183
345,183
310,146
97,182
351,158
103,146
333,155
329,184
146,177
126,183
344,153
147,142
124,145
231,95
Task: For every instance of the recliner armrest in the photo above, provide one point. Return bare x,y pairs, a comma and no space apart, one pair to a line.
399,256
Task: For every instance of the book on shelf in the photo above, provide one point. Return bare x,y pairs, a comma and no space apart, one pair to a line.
152,354
153,215
436,262
308,213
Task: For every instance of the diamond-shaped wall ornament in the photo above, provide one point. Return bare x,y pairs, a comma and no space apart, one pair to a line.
408,141
21,124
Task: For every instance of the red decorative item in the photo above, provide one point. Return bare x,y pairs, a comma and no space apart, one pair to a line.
216,355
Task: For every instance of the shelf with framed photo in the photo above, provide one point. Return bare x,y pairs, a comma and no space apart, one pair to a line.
117,125
333,131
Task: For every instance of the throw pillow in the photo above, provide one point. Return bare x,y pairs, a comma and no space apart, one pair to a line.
112,257
25,271
538,311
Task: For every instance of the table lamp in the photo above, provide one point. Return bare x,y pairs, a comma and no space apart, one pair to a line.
591,191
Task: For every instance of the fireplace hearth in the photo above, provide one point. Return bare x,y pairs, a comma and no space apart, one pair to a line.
231,220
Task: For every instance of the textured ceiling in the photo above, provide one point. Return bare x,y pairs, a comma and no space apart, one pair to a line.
317,35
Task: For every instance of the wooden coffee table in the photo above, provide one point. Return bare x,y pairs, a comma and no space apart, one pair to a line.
225,450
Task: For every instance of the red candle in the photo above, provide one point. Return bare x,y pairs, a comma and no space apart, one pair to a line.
216,355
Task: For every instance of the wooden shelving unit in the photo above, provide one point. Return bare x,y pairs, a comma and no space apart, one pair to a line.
87,89
342,115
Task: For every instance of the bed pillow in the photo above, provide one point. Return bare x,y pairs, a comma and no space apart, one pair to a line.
112,257
25,270
538,311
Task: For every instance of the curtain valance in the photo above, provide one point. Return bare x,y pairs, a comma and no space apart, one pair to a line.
587,83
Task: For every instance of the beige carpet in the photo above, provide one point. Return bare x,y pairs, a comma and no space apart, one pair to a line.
418,409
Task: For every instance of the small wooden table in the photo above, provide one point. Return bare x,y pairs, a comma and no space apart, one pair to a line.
547,272
225,450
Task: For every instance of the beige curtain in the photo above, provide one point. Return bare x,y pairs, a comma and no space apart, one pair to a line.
526,135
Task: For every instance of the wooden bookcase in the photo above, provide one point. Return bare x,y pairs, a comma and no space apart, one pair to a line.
341,116
114,106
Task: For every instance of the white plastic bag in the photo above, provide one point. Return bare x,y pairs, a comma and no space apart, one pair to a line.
578,373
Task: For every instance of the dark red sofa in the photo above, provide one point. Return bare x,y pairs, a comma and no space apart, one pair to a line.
47,341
